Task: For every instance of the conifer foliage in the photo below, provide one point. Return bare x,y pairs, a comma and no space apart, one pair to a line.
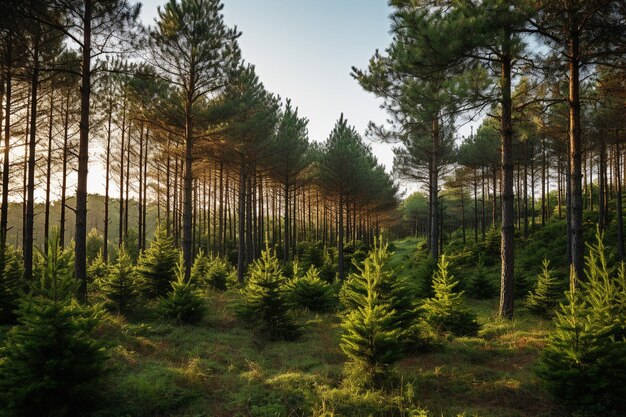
183,304
547,293
265,298
119,285
311,292
584,362
11,283
51,363
157,265
392,288
372,337
446,310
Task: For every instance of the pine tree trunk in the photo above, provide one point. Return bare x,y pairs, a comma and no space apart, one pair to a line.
618,197
107,179
434,190
46,227
80,235
6,163
32,147
188,188
576,226
508,229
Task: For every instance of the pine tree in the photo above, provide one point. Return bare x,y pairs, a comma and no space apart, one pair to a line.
119,286
480,285
157,265
11,283
446,310
372,337
266,300
51,364
547,293
311,292
392,289
97,269
584,361
182,304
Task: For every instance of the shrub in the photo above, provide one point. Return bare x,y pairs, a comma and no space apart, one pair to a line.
182,304
265,298
547,292
311,292
446,310
213,271
157,265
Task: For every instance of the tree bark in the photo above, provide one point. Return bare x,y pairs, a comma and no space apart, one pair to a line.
506,250
80,236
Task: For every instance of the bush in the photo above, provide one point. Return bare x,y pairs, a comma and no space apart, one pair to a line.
157,265
182,304
584,361
265,298
547,293
446,311
51,364
311,292
119,286
11,283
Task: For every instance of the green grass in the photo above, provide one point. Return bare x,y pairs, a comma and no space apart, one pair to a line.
222,368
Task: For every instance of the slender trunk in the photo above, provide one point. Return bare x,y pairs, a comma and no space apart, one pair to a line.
340,236
80,236
188,188
434,190
107,178
32,146
46,227
7,143
576,227
241,225
618,198
120,237
506,250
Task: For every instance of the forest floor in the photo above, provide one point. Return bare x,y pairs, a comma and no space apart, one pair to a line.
222,368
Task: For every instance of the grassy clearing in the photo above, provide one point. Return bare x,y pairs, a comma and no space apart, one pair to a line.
221,368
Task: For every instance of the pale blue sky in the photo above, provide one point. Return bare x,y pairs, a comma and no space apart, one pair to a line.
304,49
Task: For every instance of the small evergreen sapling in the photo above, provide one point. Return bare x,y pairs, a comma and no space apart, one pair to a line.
183,304
446,310
265,298
372,338
157,265
11,284
547,292
584,361
119,285
480,285
311,292
97,269
51,364
392,288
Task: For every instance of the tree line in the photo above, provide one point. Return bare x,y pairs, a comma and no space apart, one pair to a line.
547,76
181,125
